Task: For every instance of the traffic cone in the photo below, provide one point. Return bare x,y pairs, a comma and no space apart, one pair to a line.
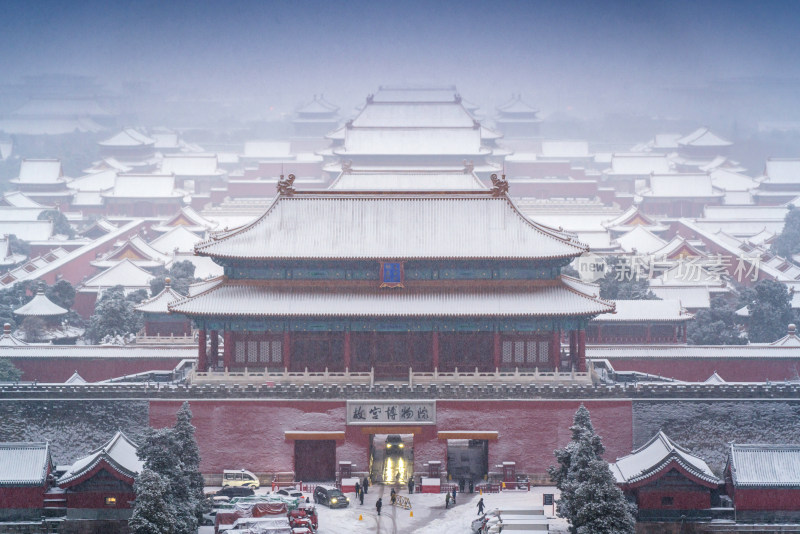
481,490
360,518
411,513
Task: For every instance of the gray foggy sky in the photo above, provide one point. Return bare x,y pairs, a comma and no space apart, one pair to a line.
581,57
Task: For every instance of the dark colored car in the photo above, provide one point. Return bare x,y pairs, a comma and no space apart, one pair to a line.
330,497
235,491
394,444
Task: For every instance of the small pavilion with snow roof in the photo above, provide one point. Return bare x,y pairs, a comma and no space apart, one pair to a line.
52,314
666,480
391,282
99,486
158,322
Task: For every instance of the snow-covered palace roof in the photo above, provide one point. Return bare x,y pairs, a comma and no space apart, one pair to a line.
658,456
765,465
261,298
119,454
158,304
363,226
24,464
40,306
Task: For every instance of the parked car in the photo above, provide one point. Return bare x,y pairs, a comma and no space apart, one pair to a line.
291,493
330,497
394,444
235,491
241,477
209,518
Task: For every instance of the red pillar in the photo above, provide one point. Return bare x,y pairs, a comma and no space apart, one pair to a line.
648,335
287,350
600,334
581,350
214,356
202,357
555,349
347,349
497,350
227,355
685,328
573,347
435,349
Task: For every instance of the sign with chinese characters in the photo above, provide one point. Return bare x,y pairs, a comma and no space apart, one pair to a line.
388,412
391,274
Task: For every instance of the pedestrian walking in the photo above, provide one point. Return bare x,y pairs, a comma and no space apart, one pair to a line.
454,495
480,506
358,488
447,500
411,485
393,496
365,485
471,487
379,505
361,496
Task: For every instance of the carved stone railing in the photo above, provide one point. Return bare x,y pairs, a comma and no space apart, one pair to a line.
497,376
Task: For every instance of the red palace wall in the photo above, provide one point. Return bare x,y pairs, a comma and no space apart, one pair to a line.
22,497
84,304
250,434
698,370
767,499
682,499
98,499
58,369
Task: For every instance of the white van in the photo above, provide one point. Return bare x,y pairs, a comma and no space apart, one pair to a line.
239,477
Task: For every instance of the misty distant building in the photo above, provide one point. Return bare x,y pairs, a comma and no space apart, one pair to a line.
413,129
316,118
131,148
517,119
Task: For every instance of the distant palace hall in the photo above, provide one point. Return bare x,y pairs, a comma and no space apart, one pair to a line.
391,281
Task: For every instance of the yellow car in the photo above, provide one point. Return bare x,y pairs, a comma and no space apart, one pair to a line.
239,478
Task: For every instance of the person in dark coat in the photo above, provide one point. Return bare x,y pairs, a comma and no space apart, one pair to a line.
454,495
358,488
361,496
365,485
471,487
480,506
379,505
411,485
394,496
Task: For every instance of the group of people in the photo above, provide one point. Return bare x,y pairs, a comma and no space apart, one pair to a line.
450,498
361,489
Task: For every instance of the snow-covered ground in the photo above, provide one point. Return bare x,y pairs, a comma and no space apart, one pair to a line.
429,514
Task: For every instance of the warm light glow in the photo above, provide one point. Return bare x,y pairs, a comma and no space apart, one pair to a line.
111,501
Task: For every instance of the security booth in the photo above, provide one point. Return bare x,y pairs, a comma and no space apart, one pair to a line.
434,469
509,474
345,470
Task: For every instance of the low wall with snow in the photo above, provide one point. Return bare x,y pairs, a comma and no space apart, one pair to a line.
706,427
235,428
73,427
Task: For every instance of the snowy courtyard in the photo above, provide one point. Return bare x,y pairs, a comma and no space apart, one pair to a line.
429,513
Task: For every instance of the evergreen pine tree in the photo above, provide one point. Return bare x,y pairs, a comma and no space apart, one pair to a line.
590,499
152,512
8,371
189,454
769,304
161,453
